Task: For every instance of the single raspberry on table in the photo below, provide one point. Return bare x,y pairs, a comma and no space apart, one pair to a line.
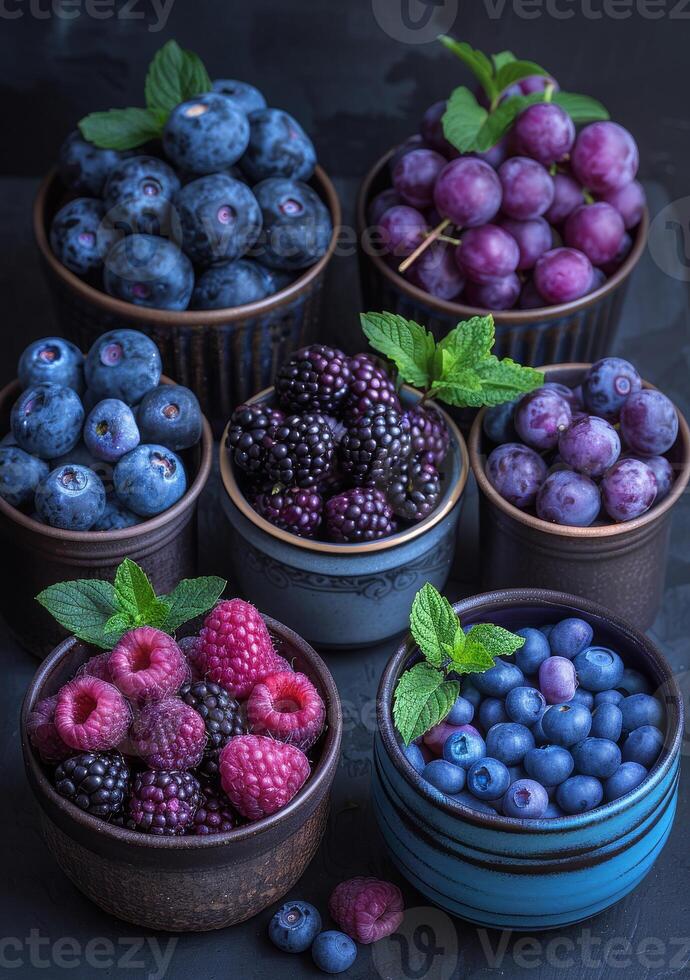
369,386
430,436
43,735
260,775
168,735
414,489
192,651
147,665
367,909
315,379
288,707
97,666
222,714
214,814
91,714
359,515
163,803
375,442
97,782
294,510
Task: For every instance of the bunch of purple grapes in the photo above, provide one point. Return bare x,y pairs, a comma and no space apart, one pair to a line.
544,217
584,455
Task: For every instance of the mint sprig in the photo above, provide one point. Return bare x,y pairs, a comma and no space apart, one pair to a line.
100,613
425,693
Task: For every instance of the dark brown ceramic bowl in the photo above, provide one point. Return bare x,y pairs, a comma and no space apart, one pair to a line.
621,566
165,546
582,330
224,356
187,884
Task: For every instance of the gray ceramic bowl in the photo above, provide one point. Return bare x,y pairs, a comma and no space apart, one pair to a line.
343,595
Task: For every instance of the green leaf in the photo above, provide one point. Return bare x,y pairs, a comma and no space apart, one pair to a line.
512,72
504,380
133,590
122,129
156,614
462,389
408,345
433,623
580,108
501,59
82,607
174,76
472,658
422,699
191,598
466,344
118,624
477,62
470,127
98,637
497,642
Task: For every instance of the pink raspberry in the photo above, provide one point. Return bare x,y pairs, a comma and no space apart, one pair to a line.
237,647
367,909
288,707
260,776
43,735
169,735
192,650
91,714
98,667
147,665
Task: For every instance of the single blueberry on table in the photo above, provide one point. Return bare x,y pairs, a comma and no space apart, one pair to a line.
492,711
525,705
52,360
220,219
534,652
333,952
444,776
488,779
84,167
231,284
643,745
566,724
111,430
115,517
170,415
583,696
20,474
123,364
47,420
294,927
598,757
278,147
206,134
607,721
499,679
80,238
243,96
641,709
627,777
138,197
526,799
461,713
633,682
570,637
71,498
464,748
414,756
149,271
579,794
550,765
149,480
509,742
557,680
297,225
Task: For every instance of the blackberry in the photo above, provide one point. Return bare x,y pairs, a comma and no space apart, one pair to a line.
163,802
375,442
430,436
96,782
250,434
214,814
301,451
209,768
370,385
359,515
414,489
315,379
221,712
294,510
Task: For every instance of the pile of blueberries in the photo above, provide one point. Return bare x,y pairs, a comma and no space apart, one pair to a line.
558,730
587,455
217,215
544,217
94,440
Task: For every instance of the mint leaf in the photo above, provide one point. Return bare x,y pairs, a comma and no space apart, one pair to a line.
470,127
501,59
81,607
174,76
409,346
462,388
472,658
504,380
422,699
497,642
477,62
433,623
133,590
122,129
466,345
580,108
512,72
191,598
118,624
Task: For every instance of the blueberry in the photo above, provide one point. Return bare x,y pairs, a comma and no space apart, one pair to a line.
499,679
553,810
643,745
579,794
461,713
81,456
498,424
471,694
598,668
243,96
547,630
538,731
170,415
414,756
278,147
220,219
626,778
294,927
525,798
557,680
70,497
20,474
598,757
467,799
566,724
535,651
607,721
488,779
206,134
54,360
633,682
79,237
230,284
149,480
149,271
525,705
333,952
608,697
115,517
550,765
463,748
47,419
641,709
84,167
8,440
569,637
138,197
123,364
444,776
492,711
509,742
111,430
582,696
296,224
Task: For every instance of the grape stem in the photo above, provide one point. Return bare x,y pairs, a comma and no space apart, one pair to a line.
423,246
451,241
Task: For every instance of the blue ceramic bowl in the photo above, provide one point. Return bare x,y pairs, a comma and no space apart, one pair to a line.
518,874
343,595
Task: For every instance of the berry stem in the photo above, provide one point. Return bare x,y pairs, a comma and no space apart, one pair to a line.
423,246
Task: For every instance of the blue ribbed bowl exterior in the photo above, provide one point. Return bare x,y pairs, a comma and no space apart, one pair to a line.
518,874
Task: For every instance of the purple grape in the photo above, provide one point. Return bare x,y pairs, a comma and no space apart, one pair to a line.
496,154
499,295
590,446
597,230
649,422
436,272
468,192
628,490
498,423
662,470
414,176
530,297
573,396
557,680
402,229
544,132
604,157
630,200
533,238
516,472
431,128
607,384
381,203
608,268
598,279
527,188
562,275
567,195
540,417
487,254
414,142
537,83
568,498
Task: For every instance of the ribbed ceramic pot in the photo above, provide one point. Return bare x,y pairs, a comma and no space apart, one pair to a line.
623,566
343,595
527,874
224,356
196,883
582,330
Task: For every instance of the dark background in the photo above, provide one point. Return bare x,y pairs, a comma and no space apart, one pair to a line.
357,88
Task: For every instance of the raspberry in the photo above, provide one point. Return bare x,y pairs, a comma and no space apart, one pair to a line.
414,490
358,515
169,735
43,735
192,651
287,707
214,814
294,510
163,803
98,667
301,453
96,782
370,386
91,714
260,776
430,436
147,665
221,713
315,379
367,909
237,647
250,434
375,442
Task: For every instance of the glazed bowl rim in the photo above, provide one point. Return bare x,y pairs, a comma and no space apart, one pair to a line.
318,778
512,598
442,510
